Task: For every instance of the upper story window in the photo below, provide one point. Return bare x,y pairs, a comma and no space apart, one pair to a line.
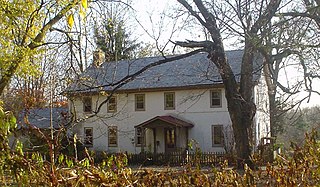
140,102
87,104
112,104
112,136
88,136
215,99
169,101
217,135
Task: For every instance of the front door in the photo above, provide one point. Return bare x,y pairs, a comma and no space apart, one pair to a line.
170,139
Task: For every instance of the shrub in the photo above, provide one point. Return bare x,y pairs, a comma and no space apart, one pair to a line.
16,168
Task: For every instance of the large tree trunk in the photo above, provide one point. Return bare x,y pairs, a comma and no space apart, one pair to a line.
272,97
241,108
239,97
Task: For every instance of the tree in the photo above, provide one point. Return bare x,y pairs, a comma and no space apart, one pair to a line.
113,35
291,41
239,96
23,29
114,41
297,123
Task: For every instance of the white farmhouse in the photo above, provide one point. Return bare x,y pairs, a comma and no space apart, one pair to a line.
162,109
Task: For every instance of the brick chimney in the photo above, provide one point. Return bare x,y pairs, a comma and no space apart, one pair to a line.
98,57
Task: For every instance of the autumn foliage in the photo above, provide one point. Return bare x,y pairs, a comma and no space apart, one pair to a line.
18,168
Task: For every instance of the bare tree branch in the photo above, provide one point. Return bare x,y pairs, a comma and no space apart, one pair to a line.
206,45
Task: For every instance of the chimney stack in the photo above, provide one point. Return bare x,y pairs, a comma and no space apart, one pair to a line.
98,57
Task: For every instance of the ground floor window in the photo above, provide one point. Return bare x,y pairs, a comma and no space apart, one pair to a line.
112,136
140,137
217,135
88,136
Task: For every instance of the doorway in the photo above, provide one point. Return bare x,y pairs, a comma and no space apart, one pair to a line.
170,139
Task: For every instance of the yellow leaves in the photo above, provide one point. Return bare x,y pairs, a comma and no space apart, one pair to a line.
83,8
20,23
70,20
84,4
82,12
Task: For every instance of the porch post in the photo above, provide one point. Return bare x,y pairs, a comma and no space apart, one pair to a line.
187,137
154,141
143,131
177,138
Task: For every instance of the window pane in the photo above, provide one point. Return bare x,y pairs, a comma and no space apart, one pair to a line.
112,104
217,135
139,136
169,101
140,101
88,136
112,136
215,98
87,104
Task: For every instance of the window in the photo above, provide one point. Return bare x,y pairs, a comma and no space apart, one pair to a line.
215,98
140,102
217,135
112,136
169,101
88,136
140,137
87,104
112,104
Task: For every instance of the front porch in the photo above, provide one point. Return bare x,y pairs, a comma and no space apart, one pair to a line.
164,134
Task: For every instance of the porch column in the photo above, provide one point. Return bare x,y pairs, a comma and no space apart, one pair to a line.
177,138
154,141
143,131
187,137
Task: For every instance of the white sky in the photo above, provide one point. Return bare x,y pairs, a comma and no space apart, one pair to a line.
149,14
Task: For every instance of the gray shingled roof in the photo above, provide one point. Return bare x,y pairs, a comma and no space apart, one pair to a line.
40,117
195,70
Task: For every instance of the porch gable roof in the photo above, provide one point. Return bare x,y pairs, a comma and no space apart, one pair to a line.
168,120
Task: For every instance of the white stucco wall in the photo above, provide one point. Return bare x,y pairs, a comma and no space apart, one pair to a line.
191,105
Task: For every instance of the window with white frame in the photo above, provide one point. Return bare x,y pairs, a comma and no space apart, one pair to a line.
169,101
112,136
112,104
87,104
217,135
140,102
88,136
140,137
215,98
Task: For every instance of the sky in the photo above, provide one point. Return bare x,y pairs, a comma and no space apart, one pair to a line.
149,14
155,15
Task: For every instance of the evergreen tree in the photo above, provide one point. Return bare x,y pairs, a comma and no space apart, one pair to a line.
113,39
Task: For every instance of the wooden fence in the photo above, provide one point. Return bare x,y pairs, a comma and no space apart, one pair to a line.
176,158
172,159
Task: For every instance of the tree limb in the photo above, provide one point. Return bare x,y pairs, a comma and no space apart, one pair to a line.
40,36
206,45
192,12
266,17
